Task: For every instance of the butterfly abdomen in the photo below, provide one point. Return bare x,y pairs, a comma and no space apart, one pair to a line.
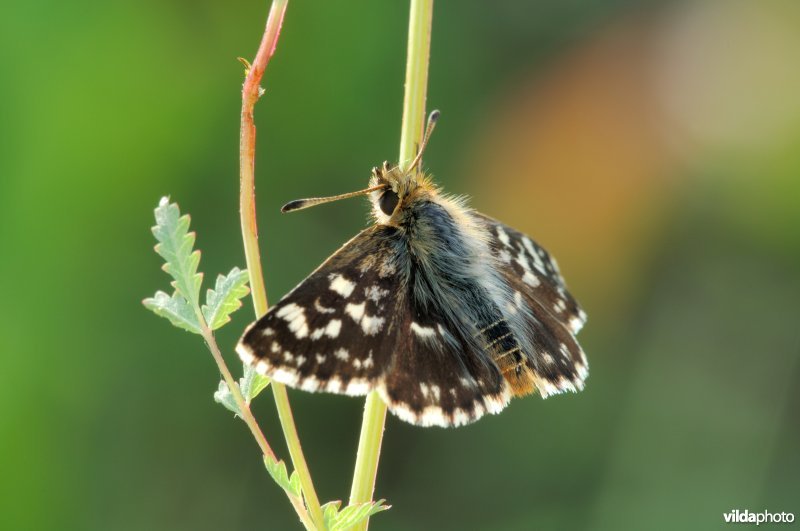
507,353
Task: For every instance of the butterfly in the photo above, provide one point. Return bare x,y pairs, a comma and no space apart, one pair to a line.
445,312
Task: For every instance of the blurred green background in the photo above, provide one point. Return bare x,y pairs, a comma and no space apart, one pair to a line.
653,147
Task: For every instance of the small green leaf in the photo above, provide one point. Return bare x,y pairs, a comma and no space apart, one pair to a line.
351,515
174,308
224,396
223,300
277,469
175,245
329,512
252,383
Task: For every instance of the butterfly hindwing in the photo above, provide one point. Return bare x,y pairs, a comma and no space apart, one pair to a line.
437,378
552,317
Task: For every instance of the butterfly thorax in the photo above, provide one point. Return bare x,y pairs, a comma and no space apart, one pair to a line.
448,266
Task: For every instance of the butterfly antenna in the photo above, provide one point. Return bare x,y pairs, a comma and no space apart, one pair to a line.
432,118
299,204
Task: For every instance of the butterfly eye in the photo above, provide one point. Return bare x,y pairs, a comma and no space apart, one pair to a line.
388,202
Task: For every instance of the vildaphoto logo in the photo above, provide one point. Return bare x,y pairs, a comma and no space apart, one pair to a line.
765,517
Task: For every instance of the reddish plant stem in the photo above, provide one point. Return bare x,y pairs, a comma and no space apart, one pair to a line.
251,92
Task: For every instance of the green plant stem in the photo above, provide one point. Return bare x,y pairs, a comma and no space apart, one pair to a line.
369,450
251,91
296,452
419,45
244,408
416,88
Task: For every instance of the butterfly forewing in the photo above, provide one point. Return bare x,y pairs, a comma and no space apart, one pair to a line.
521,258
333,331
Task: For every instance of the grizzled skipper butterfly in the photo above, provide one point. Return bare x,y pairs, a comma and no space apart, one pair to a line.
447,313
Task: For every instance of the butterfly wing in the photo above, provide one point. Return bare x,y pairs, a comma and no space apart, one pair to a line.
329,333
551,316
351,327
437,378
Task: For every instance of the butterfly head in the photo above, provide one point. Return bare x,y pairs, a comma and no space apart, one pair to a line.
394,189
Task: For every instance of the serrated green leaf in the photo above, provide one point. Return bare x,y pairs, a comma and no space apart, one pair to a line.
252,383
336,520
224,396
224,299
176,309
277,469
175,245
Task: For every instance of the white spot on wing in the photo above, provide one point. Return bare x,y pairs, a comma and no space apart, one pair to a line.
575,324
564,350
333,328
357,387
245,355
501,234
310,384
423,387
296,317
436,391
529,245
356,311
334,385
342,354
425,332
375,294
284,376
531,279
322,309
371,325
460,417
583,372
341,285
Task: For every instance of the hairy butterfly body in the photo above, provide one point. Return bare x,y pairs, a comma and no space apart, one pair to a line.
445,312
